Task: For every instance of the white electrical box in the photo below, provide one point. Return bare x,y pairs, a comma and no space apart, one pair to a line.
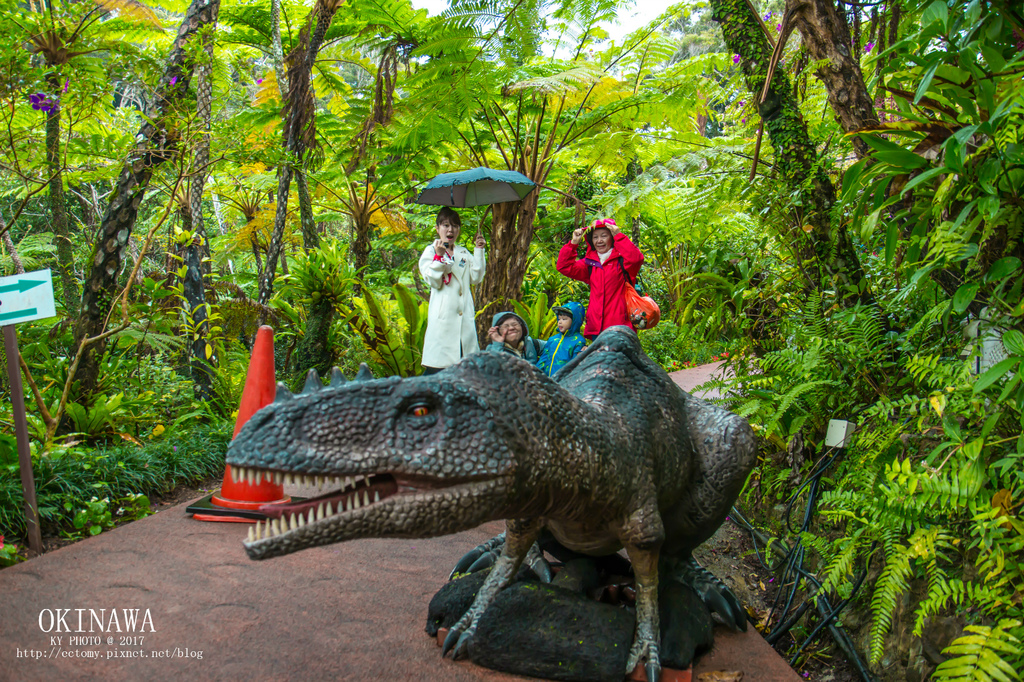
839,432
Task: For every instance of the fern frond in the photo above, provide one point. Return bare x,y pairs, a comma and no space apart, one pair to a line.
984,654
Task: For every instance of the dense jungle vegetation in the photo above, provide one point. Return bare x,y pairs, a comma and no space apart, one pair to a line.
829,192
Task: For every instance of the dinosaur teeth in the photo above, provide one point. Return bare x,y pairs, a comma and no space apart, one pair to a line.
341,505
250,476
355,501
366,498
312,517
291,522
252,535
301,520
348,483
376,496
278,478
330,509
258,530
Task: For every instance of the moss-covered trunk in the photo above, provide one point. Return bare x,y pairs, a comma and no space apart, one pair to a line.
155,143
58,213
823,244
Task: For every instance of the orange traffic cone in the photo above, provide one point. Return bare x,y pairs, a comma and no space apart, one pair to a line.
239,501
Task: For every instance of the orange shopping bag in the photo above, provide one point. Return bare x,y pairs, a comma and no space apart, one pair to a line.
643,312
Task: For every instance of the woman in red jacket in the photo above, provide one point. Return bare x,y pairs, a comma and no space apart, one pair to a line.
609,257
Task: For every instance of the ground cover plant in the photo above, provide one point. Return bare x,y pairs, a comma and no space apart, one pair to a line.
828,195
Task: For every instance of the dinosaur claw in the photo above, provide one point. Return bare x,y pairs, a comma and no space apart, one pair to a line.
450,640
716,594
462,646
484,561
463,565
467,564
536,561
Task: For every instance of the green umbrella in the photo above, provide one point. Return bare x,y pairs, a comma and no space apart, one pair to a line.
477,187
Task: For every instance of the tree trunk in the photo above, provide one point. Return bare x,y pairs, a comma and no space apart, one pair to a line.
826,249
511,234
310,236
59,215
201,360
155,144
314,351
826,36
299,128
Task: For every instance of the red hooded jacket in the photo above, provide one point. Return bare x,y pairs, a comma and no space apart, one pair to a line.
607,306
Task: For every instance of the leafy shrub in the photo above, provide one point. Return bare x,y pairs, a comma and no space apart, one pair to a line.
69,479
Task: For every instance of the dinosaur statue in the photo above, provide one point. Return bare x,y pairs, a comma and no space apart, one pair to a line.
609,454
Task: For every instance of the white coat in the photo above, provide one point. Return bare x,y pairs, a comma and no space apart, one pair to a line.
451,317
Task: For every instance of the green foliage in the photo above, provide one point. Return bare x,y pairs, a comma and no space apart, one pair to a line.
982,655
391,329
540,319
70,481
9,553
97,515
93,518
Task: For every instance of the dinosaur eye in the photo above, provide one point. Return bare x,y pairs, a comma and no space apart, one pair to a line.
419,410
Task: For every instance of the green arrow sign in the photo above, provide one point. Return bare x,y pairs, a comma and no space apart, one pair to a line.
21,285
27,312
26,297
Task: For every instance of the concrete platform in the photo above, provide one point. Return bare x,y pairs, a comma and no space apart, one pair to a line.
354,611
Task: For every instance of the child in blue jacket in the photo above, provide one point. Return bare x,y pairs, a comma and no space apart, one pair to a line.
564,346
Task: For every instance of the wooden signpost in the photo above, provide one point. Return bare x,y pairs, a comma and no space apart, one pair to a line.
24,298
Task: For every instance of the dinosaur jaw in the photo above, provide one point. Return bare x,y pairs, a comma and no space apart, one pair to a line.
374,505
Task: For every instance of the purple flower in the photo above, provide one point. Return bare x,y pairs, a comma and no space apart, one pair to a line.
869,47
778,27
259,81
743,120
174,79
66,83
768,16
41,102
735,59
175,448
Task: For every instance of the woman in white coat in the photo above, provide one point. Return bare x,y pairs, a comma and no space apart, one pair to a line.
450,270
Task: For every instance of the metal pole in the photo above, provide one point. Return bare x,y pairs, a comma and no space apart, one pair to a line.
35,541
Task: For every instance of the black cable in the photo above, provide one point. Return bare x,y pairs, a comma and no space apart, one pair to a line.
793,573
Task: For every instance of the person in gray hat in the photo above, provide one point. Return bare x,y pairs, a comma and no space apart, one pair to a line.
509,334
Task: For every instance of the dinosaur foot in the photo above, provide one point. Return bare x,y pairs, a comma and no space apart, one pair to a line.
484,555
646,651
716,594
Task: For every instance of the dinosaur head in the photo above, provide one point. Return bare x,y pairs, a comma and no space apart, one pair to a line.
412,457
